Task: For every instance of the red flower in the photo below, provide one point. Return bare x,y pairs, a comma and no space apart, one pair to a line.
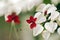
32,22
14,18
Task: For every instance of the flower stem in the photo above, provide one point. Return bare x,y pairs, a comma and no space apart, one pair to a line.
13,28
16,32
10,32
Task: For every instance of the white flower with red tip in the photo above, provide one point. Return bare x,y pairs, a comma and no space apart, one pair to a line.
32,22
13,9
49,26
40,16
36,27
12,18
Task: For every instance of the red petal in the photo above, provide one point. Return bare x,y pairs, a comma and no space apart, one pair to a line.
9,17
31,18
35,19
16,20
33,25
9,21
28,21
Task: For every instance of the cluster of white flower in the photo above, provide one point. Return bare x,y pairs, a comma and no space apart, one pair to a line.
48,15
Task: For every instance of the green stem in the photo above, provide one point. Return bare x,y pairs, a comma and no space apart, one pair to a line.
10,32
16,32
13,28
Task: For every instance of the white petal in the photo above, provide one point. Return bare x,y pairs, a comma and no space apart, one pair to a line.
37,30
45,34
40,7
37,15
17,8
58,31
23,5
54,15
41,18
51,26
46,7
51,9
2,8
2,4
14,8
6,16
30,4
13,1
9,11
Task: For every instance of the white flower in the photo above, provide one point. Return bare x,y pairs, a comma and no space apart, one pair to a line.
55,1
39,29
12,8
51,26
58,31
45,34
